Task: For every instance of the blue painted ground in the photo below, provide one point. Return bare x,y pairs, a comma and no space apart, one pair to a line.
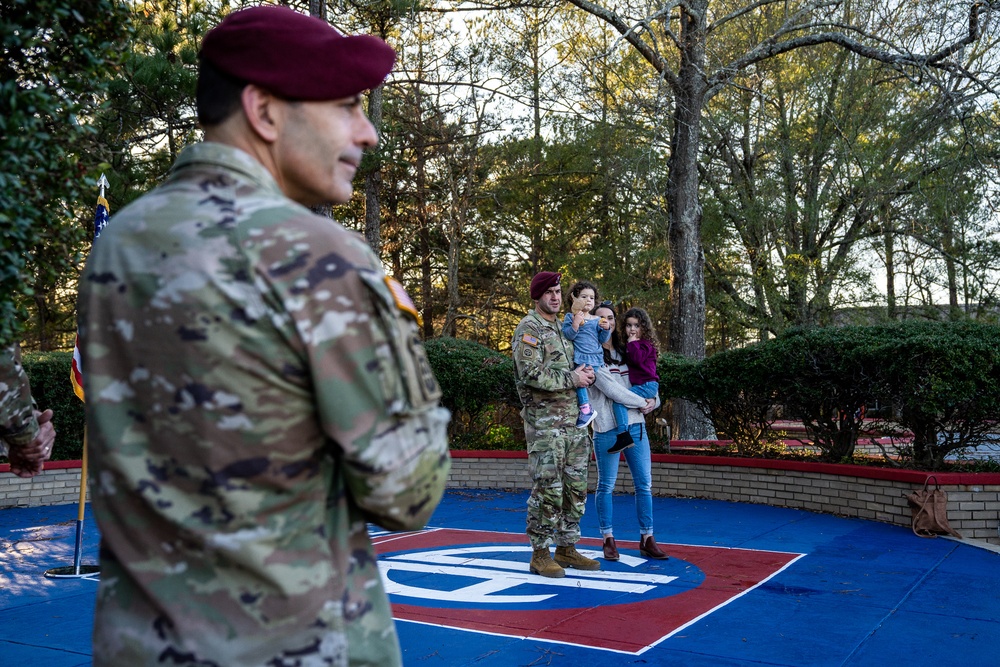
861,593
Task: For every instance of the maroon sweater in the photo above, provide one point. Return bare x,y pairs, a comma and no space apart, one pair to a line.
640,355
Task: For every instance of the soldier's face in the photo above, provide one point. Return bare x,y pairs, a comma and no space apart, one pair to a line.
319,149
550,302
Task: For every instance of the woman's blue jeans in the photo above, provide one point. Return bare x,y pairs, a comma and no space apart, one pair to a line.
639,465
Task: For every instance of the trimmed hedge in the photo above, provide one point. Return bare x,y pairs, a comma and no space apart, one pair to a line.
477,384
736,389
826,378
51,388
472,376
943,383
478,387
935,385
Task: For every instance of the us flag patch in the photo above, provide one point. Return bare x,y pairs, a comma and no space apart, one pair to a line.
528,339
402,299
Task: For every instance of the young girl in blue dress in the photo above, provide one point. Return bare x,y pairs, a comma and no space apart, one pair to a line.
588,333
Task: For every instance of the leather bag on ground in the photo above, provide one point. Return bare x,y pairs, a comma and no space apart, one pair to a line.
930,511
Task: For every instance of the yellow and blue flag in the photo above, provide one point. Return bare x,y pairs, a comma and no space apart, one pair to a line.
101,216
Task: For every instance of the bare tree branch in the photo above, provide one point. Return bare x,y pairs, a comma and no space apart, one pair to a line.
776,46
743,11
632,36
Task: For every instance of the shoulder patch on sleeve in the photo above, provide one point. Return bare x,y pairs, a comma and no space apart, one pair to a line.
402,299
528,339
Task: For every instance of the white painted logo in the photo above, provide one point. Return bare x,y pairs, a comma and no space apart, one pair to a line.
495,576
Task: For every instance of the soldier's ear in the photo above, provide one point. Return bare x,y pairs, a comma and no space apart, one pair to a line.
262,111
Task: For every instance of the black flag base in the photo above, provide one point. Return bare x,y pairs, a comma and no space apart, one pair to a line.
74,572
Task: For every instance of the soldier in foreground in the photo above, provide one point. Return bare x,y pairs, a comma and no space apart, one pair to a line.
26,435
558,451
256,389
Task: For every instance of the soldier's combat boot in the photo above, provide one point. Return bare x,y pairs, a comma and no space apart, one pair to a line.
542,563
570,557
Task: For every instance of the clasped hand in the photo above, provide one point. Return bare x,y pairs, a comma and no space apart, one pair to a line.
27,461
583,375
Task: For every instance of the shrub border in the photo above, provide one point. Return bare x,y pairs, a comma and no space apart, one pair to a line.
841,489
853,491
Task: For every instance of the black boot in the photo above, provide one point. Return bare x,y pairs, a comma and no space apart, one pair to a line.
623,441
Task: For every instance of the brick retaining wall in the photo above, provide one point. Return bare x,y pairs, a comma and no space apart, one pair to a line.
58,484
845,490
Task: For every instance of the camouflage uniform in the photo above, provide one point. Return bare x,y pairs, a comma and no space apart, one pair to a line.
18,425
558,451
256,391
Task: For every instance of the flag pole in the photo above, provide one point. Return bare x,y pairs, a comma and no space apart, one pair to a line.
78,571
78,551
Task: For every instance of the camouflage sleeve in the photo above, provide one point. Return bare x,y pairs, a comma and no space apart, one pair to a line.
536,365
18,425
409,445
376,396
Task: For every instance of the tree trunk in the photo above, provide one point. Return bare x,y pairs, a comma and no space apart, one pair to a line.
373,179
42,326
454,254
948,249
317,8
687,256
890,276
537,237
424,235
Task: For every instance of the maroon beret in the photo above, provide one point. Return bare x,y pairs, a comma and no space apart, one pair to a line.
542,282
296,56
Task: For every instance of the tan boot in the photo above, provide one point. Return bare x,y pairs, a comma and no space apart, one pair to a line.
542,563
570,557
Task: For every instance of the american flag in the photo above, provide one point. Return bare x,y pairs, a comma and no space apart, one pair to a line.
100,222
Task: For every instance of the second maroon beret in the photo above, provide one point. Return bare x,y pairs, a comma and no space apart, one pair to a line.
542,281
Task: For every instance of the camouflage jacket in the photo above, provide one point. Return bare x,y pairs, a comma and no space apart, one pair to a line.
256,391
18,425
543,365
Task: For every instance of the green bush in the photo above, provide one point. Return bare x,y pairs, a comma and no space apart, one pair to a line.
938,381
739,394
935,384
679,377
477,384
826,378
943,381
51,388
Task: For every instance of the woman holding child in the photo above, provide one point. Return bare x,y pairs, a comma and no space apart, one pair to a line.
612,386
